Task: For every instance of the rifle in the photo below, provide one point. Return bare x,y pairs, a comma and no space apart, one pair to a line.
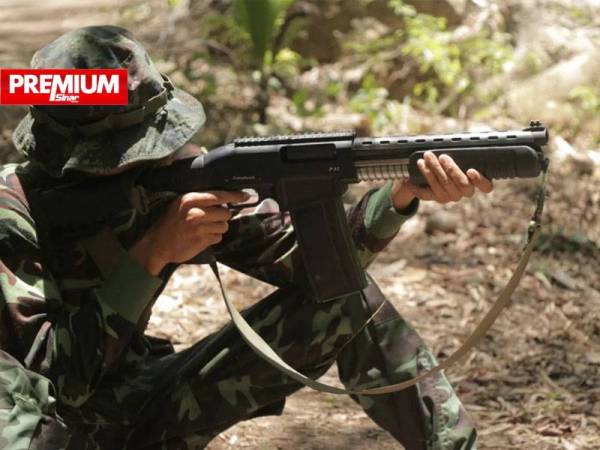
307,175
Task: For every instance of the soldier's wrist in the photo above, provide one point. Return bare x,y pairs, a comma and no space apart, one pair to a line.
402,196
144,252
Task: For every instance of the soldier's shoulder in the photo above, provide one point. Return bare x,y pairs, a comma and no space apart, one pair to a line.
15,215
12,193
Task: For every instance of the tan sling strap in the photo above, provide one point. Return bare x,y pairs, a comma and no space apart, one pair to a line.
97,248
263,349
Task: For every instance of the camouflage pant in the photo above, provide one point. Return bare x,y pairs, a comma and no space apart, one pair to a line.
182,400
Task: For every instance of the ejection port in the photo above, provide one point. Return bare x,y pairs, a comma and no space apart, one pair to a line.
308,152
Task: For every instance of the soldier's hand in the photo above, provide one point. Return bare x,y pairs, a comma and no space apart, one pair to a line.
191,223
447,182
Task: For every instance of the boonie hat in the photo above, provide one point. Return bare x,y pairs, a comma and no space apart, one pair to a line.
157,121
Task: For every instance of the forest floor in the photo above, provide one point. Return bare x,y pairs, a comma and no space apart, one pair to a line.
533,383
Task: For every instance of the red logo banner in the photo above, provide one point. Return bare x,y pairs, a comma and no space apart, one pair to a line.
63,87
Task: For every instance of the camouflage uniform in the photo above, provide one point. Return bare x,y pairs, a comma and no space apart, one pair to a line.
77,371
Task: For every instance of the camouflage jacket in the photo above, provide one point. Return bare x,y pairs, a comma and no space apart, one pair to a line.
65,319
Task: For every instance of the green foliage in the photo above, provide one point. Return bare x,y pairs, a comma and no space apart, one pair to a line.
305,105
260,19
288,65
136,13
375,46
532,63
209,85
439,64
374,102
412,58
333,89
429,43
581,16
370,98
225,30
249,35
451,65
585,100
587,97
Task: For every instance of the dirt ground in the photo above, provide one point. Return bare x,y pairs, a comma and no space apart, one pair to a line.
533,383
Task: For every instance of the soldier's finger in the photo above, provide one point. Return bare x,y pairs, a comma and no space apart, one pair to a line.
217,214
422,193
194,215
479,181
211,198
434,165
212,239
453,192
434,184
210,228
208,214
459,179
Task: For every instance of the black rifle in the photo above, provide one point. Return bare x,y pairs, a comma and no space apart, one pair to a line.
307,175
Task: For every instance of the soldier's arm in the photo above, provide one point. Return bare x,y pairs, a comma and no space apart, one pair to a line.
75,340
262,242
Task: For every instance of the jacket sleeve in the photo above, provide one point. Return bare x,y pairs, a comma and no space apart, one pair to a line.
262,242
73,329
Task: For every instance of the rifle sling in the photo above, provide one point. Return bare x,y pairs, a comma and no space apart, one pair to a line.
262,349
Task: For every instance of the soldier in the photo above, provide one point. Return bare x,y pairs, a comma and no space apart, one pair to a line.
77,371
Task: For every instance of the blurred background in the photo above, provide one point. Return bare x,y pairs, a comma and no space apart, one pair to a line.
401,67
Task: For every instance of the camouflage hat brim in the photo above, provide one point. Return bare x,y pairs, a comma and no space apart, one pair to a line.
157,137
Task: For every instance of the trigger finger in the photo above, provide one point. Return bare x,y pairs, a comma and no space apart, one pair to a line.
217,214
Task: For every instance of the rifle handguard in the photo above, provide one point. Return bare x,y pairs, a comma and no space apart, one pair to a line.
517,161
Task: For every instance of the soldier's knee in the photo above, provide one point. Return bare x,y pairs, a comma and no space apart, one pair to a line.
375,301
